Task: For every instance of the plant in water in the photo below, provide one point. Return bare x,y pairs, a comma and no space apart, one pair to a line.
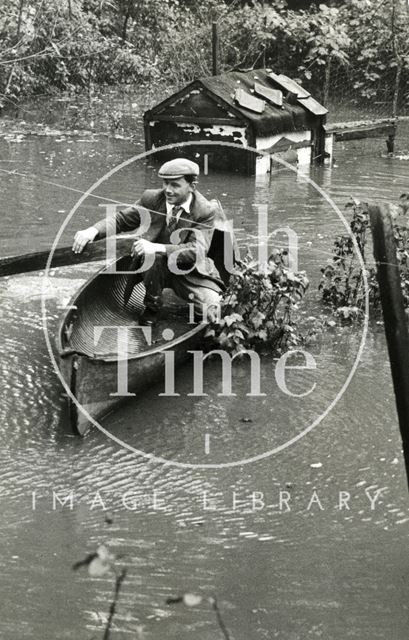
100,563
342,283
193,600
258,306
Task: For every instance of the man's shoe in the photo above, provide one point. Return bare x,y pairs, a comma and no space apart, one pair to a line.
148,318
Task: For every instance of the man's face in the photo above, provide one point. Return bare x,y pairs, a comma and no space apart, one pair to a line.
177,190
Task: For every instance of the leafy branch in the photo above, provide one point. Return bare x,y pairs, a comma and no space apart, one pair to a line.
258,306
342,284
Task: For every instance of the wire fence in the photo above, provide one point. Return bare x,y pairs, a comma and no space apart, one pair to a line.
349,99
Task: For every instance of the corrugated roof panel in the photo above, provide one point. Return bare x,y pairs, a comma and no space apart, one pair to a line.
290,85
283,144
303,96
313,105
272,95
249,102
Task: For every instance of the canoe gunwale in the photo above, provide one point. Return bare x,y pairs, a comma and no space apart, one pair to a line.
62,352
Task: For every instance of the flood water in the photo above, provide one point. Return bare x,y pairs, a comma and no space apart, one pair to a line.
306,570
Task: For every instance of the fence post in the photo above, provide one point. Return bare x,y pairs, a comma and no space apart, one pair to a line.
394,316
215,48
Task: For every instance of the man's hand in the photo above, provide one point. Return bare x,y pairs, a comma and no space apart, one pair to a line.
142,248
83,237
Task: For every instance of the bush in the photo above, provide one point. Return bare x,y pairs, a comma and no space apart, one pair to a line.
77,43
258,307
342,282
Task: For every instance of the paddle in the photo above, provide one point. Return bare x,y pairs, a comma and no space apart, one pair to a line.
63,256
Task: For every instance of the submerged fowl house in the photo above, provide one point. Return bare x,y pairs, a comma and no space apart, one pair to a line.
257,109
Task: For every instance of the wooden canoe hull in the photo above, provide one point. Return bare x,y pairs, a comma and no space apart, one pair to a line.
88,359
94,383
89,366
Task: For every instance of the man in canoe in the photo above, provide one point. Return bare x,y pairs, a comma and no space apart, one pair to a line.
178,206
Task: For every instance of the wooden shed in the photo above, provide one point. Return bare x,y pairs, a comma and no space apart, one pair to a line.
257,109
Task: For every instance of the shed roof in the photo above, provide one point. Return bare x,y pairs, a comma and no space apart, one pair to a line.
294,115
241,92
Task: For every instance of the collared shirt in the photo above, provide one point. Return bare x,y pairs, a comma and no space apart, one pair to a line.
184,208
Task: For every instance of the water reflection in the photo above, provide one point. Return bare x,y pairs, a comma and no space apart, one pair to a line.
303,572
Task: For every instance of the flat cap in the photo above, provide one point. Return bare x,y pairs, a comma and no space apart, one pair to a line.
177,168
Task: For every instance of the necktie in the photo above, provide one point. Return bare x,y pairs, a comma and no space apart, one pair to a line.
173,220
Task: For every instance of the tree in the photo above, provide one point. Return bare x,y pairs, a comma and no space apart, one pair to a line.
329,42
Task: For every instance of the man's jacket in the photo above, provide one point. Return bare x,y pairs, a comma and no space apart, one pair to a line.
202,217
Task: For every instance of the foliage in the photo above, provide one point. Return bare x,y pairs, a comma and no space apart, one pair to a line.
342,283
257,309
61,48
329,42
49,45
379,43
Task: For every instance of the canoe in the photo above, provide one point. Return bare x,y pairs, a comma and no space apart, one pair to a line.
88,356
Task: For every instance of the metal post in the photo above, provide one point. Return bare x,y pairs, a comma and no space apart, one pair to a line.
394,316
215,48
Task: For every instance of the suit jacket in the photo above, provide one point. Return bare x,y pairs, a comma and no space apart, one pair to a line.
202,217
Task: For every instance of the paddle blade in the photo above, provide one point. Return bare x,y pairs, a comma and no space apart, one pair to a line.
62,256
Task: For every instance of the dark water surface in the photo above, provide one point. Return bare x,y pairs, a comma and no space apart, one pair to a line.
292,574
